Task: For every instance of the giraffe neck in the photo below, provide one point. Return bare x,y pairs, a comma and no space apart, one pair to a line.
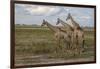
53,28
76,25
66,25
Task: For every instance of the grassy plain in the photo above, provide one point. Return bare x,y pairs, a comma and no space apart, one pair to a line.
37,45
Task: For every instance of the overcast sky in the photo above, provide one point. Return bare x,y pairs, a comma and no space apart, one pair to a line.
34,14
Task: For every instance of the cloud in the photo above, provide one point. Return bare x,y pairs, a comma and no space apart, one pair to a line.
32,14
85,17
82,16
40,9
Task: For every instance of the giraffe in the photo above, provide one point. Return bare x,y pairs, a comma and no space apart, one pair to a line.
78,32
68,29
58,33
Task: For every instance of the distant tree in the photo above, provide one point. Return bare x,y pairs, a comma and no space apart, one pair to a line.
23,24
35,25
17,24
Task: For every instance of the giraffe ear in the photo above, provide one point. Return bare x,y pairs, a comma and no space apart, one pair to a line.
69,16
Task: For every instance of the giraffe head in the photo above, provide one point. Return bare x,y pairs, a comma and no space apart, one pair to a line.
69,16
58,21
43,23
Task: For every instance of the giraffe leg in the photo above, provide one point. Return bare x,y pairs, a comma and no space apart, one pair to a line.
66,43
83,42
58,44
78,45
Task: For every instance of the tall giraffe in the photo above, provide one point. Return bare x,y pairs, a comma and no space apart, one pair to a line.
78,31
68,29
58,33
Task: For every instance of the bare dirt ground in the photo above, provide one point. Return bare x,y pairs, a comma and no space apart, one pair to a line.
43,59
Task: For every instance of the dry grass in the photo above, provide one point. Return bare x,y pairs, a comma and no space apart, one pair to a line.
40,41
